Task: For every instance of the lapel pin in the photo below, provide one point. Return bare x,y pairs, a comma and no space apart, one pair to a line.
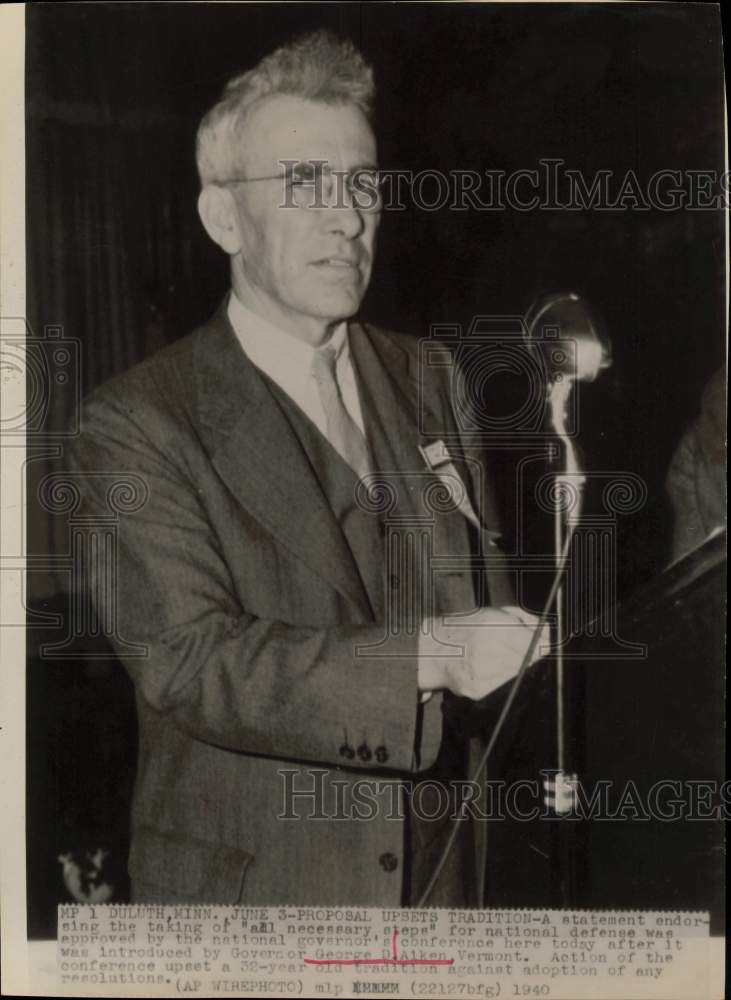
439,461
435,454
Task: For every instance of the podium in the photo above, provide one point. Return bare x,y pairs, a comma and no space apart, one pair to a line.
646,736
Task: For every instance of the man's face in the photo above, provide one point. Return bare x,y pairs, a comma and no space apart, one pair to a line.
303,268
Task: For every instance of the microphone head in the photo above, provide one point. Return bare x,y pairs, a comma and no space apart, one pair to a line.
563,332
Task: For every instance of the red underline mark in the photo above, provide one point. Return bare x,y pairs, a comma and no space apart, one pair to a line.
395,960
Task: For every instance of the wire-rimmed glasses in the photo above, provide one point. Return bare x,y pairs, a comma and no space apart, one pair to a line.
313,184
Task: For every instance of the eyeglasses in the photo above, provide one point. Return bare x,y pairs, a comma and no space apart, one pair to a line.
312,184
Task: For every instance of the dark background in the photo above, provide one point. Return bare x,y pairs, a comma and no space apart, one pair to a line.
118,257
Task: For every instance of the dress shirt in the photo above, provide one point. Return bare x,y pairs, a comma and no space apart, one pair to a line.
287,360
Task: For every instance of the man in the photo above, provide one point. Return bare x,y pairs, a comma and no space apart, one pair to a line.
259,571
696,479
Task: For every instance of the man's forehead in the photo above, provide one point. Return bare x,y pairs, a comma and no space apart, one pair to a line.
284,127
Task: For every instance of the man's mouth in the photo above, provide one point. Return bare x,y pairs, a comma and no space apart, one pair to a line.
340,262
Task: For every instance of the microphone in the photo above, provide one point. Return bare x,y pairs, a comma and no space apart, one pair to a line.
564,335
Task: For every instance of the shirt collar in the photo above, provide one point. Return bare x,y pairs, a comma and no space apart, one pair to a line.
274,350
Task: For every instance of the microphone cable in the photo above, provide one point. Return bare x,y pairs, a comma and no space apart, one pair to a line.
527,660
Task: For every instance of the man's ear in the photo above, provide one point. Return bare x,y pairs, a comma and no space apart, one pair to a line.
217,210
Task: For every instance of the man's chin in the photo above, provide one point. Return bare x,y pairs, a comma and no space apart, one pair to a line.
335,308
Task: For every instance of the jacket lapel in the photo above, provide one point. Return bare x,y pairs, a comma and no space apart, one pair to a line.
419,415
383,379
256,452
422,415
403,421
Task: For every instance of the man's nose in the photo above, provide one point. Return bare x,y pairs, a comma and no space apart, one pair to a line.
344,217
344,214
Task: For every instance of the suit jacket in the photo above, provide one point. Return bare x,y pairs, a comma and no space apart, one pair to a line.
234,574
696,479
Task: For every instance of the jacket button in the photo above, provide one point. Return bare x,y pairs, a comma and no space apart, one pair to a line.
388,861
347,751
381,755
364,752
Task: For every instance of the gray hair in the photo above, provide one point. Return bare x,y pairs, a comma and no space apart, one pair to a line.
317,66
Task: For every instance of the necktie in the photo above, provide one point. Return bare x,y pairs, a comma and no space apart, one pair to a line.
342,431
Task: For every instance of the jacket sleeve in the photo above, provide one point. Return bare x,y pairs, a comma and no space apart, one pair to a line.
220,673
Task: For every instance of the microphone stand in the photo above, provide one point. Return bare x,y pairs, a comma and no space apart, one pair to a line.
581,353
567,502
567,494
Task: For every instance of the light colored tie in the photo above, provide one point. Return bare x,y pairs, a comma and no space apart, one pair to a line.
342,431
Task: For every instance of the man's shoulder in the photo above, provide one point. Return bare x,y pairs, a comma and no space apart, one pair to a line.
388,334
161,379
409,348
427,359
156,403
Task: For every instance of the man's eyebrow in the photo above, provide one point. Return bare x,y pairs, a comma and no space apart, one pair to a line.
364,166
368,165
295,166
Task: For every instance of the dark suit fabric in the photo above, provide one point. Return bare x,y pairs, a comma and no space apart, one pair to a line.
261,592
696,480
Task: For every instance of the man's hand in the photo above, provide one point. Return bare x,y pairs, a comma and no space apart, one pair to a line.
495,643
